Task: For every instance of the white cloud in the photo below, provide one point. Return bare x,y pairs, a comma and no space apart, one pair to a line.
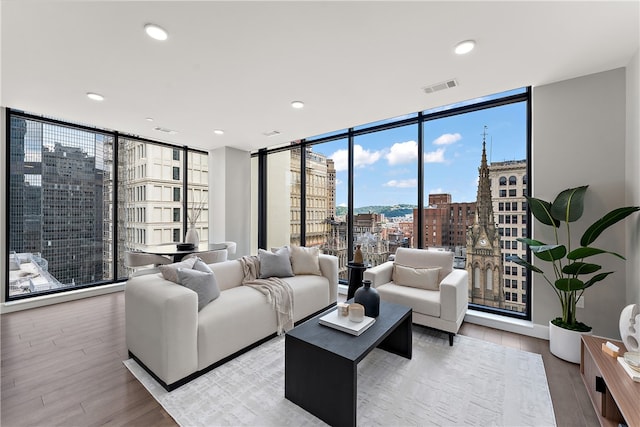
402,183
435,156
402,152
338,181
362,158
344,205
447,138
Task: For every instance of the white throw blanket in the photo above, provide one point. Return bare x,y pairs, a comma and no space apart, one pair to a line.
278,292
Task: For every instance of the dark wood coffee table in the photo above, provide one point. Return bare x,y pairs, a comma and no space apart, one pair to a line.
321,363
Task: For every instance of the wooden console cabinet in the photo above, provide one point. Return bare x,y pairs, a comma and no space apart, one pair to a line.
614,395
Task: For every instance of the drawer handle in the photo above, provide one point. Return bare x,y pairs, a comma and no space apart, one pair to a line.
601,386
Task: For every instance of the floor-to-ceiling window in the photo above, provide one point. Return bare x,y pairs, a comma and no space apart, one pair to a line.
452,178
72,216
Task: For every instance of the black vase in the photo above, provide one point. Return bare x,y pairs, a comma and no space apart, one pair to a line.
369,298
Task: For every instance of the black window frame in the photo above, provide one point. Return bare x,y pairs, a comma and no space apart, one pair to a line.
420,118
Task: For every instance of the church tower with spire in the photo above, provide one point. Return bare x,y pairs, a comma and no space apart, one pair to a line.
484,258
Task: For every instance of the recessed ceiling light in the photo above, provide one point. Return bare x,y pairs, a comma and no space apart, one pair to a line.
218,132
149,119
155,32
297,104
95,96
465,47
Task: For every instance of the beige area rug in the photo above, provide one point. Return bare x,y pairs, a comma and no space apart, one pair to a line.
475,383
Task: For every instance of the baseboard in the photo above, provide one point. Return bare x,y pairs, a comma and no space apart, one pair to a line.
509,324
72,295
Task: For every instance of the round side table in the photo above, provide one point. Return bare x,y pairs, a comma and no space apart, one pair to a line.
355,277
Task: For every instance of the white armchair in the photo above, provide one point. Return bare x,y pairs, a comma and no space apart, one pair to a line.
426,281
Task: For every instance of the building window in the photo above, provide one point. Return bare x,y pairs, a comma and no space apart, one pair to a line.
176,194
62,201
177,237
306,199
176,214
176,155
176,173
512,180
512,192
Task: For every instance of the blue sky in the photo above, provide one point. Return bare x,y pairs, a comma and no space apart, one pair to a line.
386,162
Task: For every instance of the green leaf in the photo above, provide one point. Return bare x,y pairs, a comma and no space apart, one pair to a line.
595,279
541,210
530,242
569,204
576,268
568,285
523,263
605,222
549,252
585,252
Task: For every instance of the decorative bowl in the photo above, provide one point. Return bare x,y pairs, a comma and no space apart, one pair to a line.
185,246
633,360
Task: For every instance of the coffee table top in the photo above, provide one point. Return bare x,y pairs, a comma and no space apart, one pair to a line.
351,347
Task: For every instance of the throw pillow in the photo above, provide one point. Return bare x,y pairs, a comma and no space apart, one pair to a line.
170,271
274,264
202,283
305,260
200,265
423,278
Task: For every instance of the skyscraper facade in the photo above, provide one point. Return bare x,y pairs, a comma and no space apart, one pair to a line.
509,188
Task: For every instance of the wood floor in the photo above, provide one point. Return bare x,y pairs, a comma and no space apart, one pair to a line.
62,365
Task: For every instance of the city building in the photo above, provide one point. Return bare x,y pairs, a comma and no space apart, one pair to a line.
445,222
509,188
484,255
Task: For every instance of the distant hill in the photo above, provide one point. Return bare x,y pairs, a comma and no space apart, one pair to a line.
388,211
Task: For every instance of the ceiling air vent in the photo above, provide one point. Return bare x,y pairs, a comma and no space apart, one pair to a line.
441,86
271,133
165,130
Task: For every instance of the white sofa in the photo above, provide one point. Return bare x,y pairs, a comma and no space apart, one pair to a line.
175,342
443,307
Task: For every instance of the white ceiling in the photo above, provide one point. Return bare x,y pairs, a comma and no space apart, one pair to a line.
238,65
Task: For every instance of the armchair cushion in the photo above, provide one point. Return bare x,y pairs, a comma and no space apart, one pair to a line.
423,278
425,258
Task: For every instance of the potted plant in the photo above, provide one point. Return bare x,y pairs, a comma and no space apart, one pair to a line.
570,275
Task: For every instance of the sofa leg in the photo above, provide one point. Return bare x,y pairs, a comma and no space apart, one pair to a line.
451,334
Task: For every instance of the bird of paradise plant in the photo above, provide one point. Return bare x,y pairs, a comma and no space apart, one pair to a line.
572,276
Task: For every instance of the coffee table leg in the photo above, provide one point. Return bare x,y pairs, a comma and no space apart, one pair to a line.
400,341
320,382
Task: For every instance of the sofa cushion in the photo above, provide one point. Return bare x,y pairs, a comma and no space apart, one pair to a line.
202,283
170,271
426,258
200,265
420,300
423,278
238,318
275,264
305,260
310,294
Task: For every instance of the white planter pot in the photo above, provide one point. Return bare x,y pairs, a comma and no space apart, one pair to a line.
564,343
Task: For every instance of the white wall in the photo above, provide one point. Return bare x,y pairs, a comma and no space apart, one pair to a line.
633,178
230,198
579,137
